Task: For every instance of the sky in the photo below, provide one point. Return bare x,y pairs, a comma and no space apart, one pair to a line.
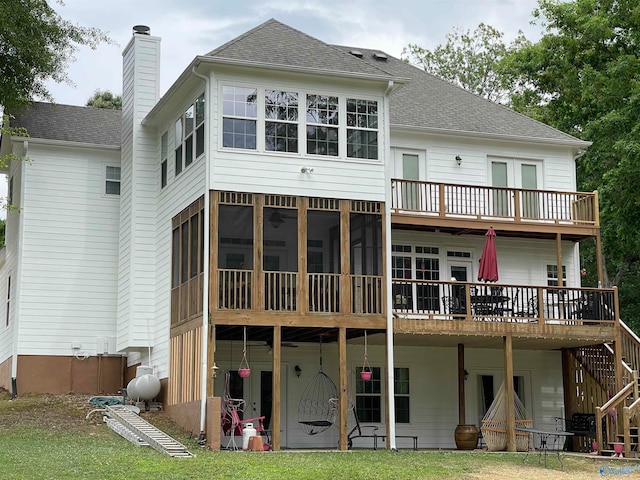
190,28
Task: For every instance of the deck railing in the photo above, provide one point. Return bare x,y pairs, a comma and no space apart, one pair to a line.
502,303
324,291
280,291
493,203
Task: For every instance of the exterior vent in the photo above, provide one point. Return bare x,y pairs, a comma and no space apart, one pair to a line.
356,53
141,30
381,57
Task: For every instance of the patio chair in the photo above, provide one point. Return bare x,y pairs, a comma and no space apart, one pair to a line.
452,305
527,309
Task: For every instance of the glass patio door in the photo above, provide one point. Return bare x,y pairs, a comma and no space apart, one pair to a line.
516,173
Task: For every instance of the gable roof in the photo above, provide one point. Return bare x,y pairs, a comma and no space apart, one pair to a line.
275,44
70,123
430,103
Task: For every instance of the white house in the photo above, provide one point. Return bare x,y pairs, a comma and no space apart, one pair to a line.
327,207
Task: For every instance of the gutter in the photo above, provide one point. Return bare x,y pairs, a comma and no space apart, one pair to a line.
206,247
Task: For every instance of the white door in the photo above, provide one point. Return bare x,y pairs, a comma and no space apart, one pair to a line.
461,271
259,396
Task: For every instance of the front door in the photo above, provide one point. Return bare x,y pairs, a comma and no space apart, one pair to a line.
459,271
260,397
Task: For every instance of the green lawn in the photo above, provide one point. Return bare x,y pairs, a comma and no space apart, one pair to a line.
46,437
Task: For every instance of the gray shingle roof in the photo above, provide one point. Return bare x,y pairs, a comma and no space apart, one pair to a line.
429,102
274,43
71,123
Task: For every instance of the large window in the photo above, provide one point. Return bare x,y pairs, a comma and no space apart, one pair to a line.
552,275
189,131
281,121
362,129
422,264
288,115
239,107
322,125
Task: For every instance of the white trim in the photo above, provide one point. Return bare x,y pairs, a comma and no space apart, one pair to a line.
65,143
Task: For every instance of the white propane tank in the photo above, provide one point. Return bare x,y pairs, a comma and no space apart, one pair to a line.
132,393
147,387
247,432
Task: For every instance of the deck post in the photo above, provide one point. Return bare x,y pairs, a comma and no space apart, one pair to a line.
275,408
461,404
617,352
342,393
510,410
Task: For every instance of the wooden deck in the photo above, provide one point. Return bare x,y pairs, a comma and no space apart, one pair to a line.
461,207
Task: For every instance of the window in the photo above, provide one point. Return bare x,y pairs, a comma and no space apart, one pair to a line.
189,130
281,121
423,264
362,129
112,180
369,397
240,112
552,275
284,116
8,300
163,160
322,125
401,387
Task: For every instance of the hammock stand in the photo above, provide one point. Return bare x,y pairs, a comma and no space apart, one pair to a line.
494,424
318,404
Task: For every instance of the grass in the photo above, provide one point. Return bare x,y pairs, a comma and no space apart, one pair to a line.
47,437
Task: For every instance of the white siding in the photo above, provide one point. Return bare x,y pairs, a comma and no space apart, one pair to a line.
68,287
434,397
270,172
8,334
438,159
139,184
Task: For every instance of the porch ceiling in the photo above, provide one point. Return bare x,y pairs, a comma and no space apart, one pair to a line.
296,335
478,341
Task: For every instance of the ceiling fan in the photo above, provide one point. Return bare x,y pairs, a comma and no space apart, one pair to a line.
269,345
276,218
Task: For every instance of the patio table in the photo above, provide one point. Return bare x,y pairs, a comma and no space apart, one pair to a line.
544,442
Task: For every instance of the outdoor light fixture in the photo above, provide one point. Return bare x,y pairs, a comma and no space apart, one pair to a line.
306,170
466,374
298,371
458,159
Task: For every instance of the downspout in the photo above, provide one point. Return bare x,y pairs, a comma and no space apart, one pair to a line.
391,434
16,282
205,253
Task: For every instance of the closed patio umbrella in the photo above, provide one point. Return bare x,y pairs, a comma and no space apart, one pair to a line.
488,270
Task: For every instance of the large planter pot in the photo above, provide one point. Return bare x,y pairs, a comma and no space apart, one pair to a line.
466,437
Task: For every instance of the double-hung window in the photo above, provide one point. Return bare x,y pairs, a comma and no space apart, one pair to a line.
362,129
112,180
240,113
281,121
369,396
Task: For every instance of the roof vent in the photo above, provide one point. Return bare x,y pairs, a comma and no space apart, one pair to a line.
381,57
356,53
141,30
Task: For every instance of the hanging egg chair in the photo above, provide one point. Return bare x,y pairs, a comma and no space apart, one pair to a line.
318,404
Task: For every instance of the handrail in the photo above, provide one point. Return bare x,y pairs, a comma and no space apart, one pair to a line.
483,201
609,406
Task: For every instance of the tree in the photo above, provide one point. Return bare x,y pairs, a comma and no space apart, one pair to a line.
36,45
469,60
105,99
583,77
